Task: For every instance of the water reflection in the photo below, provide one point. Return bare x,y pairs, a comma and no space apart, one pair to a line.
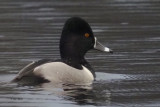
81,94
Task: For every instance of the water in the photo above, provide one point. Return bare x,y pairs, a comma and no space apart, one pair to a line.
30,30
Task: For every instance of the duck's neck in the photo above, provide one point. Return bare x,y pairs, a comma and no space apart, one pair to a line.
70,52
72,61
72,58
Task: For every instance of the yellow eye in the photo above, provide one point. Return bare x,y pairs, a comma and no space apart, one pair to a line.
86,35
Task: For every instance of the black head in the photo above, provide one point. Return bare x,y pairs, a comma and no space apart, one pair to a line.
76,39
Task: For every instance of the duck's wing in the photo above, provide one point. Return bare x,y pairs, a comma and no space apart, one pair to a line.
27,71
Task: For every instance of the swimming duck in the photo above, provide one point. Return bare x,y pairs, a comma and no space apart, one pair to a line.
76,39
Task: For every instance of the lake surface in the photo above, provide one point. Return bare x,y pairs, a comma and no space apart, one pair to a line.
30,30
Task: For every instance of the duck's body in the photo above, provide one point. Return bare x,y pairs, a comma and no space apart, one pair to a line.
47,70
76,39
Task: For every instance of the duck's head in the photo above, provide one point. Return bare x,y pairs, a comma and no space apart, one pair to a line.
77,38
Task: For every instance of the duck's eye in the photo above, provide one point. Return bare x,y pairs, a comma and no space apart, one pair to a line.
86,35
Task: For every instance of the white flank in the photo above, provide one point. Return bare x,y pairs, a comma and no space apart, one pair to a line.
59,72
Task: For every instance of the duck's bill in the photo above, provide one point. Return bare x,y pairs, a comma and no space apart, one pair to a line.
100,47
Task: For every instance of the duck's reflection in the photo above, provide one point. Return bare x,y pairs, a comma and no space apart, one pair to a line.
81,94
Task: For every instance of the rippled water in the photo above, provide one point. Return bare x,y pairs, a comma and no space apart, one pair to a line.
30,30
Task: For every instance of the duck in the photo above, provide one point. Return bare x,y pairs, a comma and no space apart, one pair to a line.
76,40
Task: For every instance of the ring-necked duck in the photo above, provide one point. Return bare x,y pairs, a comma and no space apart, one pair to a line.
76,39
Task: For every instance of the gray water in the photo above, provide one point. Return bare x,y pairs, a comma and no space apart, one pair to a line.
30,30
